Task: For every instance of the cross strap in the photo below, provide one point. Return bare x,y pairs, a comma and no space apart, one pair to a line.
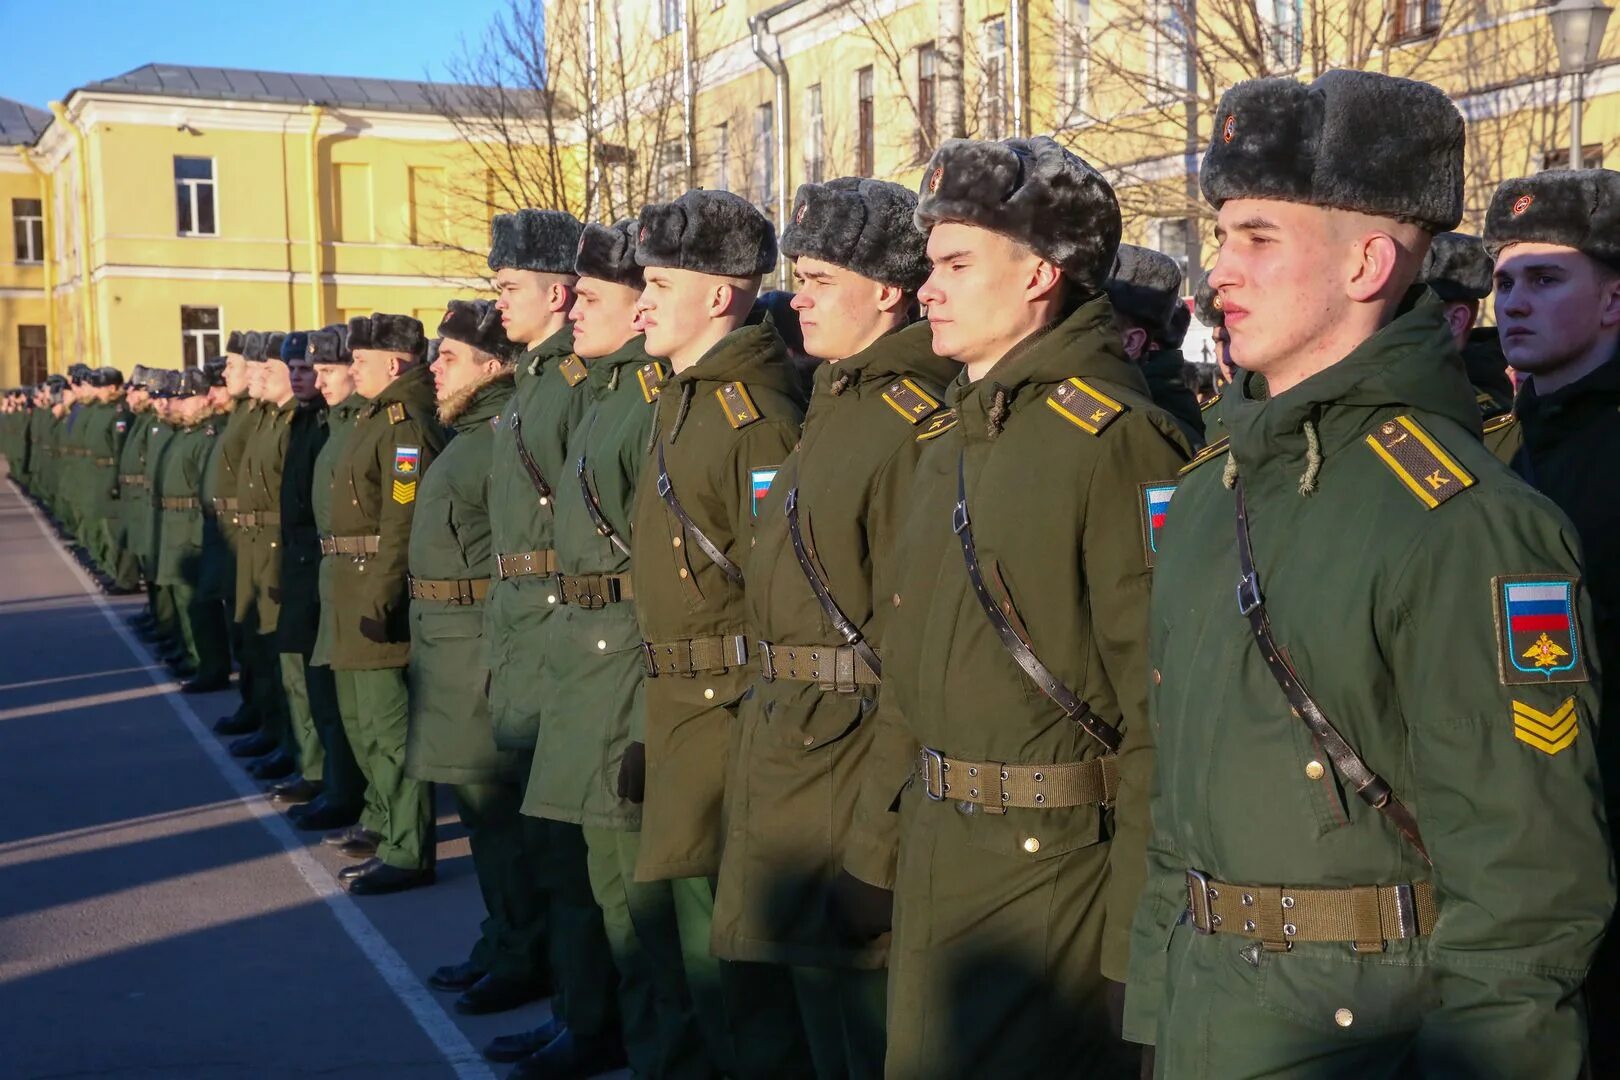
666,491
593,506
842,623
536,477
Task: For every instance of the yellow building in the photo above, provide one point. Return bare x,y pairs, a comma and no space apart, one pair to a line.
184,202
22,260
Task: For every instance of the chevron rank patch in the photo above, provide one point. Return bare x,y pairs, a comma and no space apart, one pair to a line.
1155,502
407,460
572,369
1082,405
651,378
1551,733
759,485
937,425
396,413
1429,473
738,406
1538,635
404,492
911,401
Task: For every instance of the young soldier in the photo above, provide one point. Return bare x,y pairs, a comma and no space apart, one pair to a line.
728,417
1145,289
1556,240
1360,865
1459,272
133,521
450,738
820,579
167,638
222,535
180,554
395,438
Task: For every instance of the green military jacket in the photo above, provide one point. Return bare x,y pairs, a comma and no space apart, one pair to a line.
590,658
47,438
792,786
218,577
220,490
179,559
134,505
339,426
157,447
299,621
1407,574
450,738
374,489
258,493
723,427
1164,371
543,412
107,447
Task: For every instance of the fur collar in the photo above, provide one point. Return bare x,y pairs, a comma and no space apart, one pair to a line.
453,406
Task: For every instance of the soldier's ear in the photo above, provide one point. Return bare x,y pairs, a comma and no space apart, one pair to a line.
1460,317
1608,296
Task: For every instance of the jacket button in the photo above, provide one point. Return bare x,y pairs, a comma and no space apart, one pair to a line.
896,599
551,599
683,573
1344,1017
1032,845
708,694
602,645
676,541
809,740
1314,770
1157,678
544,501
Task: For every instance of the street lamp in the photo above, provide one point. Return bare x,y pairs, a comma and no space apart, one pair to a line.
1577,27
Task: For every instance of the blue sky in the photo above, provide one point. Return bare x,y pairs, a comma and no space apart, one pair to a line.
52,47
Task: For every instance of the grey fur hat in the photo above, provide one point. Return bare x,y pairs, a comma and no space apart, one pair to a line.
1146,286
864,225
388,333
608,253
1207,305
330,345
1579,209
1174,331
138,376
253,344
272,344
710,232
1351,140
233,343
1457,268
1032,190
541,240
477,323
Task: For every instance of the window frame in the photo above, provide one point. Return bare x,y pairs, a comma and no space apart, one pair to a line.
671,15
1076,55
815,122
994,105
191,186
26,354
31,227
1430,16
927,99
865,121
198,337
764,179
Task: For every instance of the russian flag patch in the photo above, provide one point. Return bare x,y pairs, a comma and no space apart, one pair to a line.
1538,633
759,485
1155,504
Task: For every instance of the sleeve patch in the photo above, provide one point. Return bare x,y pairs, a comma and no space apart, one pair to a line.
573,370
651,378
407,460
937,425
1551,733
1155,503
759,485
912,402
738,406
404,492
1411,453
1084,406
396,413
1213,450
1538,634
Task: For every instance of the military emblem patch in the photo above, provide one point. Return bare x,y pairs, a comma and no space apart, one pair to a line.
798,215
937,425
572,370
1086,408
911,401
1428,472
935,180
759,485
1551,733
407,460
1155,502
1538,635
404,492
1229,128
651,378
1521,204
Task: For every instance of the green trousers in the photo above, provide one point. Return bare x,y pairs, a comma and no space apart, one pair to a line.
372,812
301,719
403,806
269,702
843,1015
582,962
746,1012
203,632
661,1036
343,785
512,942
166,615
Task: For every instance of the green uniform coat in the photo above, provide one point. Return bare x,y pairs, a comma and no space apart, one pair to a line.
134,500
339,426
179,557
258,490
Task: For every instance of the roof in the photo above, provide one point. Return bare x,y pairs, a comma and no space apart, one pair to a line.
276,87
21,124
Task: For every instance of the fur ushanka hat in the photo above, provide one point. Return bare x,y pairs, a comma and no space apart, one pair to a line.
1457,268
541,240
608,253
709,232
388,333
864,225
1579,209
477,323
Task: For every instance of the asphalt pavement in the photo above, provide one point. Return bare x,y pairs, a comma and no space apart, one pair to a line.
158,917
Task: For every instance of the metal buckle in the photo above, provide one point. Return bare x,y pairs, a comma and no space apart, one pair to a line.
933,778
648,660
664,485
1248,593
791,503
767,668
959,517
1406,923
1198,902
739,650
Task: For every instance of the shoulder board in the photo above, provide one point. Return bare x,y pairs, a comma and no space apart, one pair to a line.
1429,473
912,402
1208,453
1497,423
937,425
738,406
396,413
651,377
1084,406
572,369
1210,404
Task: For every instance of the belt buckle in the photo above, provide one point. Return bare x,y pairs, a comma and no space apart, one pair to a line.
664,486
931,764
1198,902
959,517
1248,593
649,660
767,669
1406,923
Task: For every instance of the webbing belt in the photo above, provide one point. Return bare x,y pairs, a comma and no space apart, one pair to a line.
593,591
995,785
255,519
132,479
666,491
460,592
1367,916
525,564
181,503
841,623
225,505
838,667
695,655
350,545
104,462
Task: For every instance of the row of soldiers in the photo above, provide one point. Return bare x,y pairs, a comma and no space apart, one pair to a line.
962,710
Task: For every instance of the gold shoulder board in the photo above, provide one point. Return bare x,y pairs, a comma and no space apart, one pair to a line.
651,378
738,406
1497,423
938,424
1420,463
1084,406
1208,453
912,402
396,413
572,369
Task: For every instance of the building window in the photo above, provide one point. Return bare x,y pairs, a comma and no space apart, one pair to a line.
1284,38
1169,235
28,230
927,98
1076,54
865,125
993,105
815,139
670,14
1591,157
1170,50
722,157
1416,19
671,179
430,206
765,156
199,335
351,203
194,196
32,363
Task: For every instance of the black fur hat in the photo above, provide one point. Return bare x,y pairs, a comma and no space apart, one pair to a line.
388,333
1351,140
79,373
710,232
272,343
864,225
233,344
608,252
1457,268
214,368
330,345
193,381
1146,286
1032,190
253,346
542,240
1174,331
164,384
477,323
137,377
1207,305
294,346
1579,209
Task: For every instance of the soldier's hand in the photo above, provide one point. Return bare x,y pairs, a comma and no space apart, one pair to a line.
633,773
374,630
860,911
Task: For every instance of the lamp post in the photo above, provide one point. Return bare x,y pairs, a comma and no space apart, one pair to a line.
1577,27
